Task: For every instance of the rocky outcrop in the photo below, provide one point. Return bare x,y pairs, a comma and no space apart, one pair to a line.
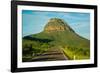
56,24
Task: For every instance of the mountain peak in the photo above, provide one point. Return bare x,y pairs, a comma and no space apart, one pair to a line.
55,19
56,24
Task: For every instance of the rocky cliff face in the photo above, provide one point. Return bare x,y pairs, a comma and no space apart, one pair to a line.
56,24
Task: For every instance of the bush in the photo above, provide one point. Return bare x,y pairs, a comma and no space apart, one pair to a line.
76,53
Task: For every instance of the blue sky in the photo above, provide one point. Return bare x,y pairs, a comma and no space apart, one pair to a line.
34,21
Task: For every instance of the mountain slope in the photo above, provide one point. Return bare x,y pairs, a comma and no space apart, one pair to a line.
62,34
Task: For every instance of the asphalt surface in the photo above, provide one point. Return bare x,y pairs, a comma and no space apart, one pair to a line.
53,54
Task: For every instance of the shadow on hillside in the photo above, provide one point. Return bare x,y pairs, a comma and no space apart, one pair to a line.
37,39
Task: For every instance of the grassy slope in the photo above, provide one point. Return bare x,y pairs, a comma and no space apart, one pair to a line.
68,41
64,38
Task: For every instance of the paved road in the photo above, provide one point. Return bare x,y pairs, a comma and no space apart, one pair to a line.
53,54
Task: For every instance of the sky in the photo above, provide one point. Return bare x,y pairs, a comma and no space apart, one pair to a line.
34,21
